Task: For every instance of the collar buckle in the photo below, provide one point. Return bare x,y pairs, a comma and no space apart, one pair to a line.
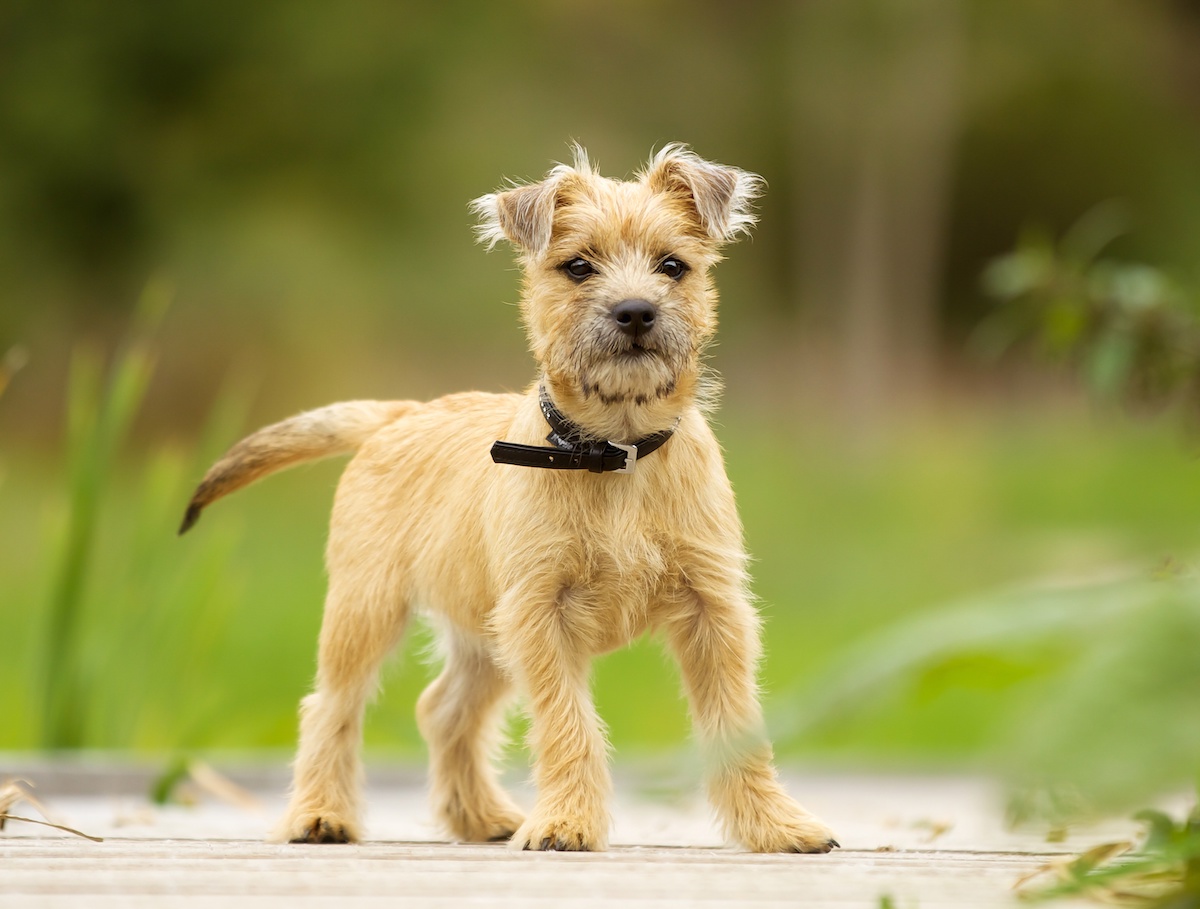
631,454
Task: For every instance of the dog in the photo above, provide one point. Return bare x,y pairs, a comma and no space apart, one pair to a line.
542,529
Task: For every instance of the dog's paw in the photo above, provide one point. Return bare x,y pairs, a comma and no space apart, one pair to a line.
497,827
559,834
799,832
313,828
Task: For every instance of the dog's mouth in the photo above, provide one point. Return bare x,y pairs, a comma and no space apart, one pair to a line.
631,350
636,351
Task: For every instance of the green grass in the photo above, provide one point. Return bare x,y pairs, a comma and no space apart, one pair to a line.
949,512
208,641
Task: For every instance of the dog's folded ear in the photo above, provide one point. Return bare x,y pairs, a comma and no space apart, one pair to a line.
524,214
723,196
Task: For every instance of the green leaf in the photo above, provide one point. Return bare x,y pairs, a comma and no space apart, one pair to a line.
162,790
1094,231
1018,273
1109,364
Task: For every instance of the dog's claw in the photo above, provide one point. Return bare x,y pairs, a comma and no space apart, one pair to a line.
323,832
556,842
821,849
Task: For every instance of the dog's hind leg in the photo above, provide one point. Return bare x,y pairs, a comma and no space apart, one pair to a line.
459,714
359,629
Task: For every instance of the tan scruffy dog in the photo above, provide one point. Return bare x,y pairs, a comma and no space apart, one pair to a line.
558,546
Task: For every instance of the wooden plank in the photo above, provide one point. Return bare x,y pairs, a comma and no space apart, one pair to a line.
924,842
208,873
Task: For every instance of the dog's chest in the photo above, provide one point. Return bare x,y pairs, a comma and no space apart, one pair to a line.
614,560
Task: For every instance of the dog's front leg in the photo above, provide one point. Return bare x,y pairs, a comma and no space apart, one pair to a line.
549,659
714,634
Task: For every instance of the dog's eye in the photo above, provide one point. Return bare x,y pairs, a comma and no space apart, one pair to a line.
579,269
673,268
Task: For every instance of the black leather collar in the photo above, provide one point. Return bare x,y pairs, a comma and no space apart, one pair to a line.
572,451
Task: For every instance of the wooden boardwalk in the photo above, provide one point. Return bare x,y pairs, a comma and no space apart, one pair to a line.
922,842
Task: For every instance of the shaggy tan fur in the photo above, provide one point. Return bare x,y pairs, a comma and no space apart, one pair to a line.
531,573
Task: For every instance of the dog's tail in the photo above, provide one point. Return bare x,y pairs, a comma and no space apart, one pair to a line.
310,436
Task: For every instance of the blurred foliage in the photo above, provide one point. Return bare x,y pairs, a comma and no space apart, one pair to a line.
1103,676
1103,720
1120,727
127,619
301,170
99,417
12,361
1130,330
1164,874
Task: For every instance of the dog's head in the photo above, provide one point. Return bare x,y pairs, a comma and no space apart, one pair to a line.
617,298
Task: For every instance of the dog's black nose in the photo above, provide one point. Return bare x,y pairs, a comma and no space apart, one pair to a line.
634,317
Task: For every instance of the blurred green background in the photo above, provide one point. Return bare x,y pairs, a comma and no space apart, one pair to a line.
283,186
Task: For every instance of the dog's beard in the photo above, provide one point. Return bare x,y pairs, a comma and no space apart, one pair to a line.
618,370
